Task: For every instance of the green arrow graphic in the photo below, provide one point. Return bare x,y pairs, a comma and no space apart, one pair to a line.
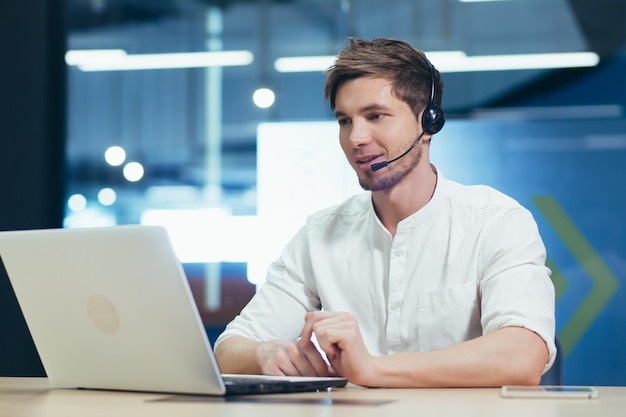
604,282
560,284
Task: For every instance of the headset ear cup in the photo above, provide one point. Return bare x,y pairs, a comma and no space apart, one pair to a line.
433,119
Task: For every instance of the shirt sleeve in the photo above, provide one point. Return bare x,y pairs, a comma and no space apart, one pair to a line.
516,289
276,312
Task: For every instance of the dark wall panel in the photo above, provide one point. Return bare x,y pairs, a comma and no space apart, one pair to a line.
32,120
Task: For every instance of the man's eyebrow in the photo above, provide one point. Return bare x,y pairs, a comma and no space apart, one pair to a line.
372,107
364,109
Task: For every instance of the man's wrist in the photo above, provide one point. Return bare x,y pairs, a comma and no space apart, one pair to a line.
264,352
371,374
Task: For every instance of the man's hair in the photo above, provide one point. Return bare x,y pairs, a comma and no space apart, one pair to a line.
405,66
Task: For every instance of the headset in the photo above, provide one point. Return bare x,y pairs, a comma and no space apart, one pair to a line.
433,117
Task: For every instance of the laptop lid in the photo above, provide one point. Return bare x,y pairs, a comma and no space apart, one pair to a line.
111,308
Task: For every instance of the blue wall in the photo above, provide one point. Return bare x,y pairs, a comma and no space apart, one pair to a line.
569,169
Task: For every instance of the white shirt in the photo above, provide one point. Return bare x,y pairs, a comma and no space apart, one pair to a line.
469,262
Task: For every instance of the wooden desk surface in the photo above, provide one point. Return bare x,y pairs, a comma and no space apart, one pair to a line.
33,397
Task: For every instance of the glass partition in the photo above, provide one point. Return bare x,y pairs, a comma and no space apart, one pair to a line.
199,115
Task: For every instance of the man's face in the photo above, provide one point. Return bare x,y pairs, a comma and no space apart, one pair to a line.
376,126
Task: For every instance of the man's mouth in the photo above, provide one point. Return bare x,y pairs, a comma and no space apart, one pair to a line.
366,160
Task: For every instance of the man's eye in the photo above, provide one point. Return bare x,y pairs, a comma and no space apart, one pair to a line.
343,121
376,116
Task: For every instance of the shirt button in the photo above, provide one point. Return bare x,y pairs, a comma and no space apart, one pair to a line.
395,305
398,252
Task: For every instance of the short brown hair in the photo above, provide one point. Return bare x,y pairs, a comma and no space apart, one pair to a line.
396,60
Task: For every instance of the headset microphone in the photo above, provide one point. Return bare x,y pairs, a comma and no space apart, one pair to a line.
380,165
433,119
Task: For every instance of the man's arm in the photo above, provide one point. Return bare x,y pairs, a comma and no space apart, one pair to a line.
236,355
239,355
508,356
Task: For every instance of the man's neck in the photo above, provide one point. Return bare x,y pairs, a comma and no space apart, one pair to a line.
405,198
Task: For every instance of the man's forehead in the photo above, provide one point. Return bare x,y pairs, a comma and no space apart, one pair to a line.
366,93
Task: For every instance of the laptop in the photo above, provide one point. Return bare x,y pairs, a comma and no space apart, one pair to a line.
111,308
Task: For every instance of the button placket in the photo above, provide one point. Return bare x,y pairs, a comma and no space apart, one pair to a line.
397,286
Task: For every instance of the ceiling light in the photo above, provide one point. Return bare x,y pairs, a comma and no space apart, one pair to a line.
77,202
458,61
304,63
263,98
516,62
115,155
86,56
477,1
119,60
107,196
133,171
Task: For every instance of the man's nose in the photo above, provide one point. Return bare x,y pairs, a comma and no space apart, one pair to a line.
359,134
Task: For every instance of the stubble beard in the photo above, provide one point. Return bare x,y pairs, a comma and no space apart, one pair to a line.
371,181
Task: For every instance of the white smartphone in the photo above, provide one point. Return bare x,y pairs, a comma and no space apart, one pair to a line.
548,391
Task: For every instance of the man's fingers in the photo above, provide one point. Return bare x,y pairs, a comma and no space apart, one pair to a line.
307,330
308,360
316,360
283,360
294,359
328,333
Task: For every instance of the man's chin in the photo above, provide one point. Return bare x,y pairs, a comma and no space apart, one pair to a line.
374,185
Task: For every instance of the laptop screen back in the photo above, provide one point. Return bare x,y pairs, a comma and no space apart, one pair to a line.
110,308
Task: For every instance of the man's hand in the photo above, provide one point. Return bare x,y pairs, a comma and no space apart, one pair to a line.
300,358
338,335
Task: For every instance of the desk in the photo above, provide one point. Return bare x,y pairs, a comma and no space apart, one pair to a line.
33,397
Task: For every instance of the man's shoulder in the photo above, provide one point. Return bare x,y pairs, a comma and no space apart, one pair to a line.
478,196
353,207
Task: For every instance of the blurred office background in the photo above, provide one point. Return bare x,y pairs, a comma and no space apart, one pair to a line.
207,116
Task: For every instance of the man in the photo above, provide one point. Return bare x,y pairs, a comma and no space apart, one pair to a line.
422,282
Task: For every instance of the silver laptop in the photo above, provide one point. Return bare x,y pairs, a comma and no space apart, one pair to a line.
111,308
